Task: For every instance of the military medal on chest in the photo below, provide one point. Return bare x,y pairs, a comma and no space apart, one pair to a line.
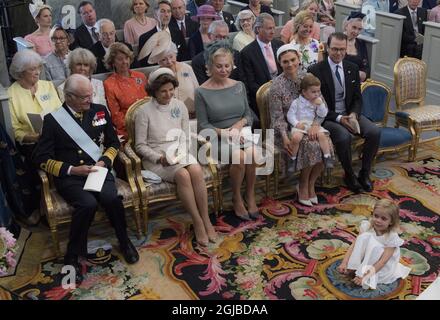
99,119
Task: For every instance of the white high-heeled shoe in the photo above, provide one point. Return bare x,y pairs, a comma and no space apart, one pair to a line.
307,203
314,200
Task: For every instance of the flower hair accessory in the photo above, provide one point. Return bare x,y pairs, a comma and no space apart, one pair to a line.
37,6
8,248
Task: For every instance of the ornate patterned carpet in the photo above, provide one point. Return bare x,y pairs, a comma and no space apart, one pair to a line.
291,252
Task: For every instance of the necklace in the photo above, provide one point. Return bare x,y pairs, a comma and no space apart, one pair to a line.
143,22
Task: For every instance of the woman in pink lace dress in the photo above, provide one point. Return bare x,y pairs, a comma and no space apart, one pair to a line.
40,38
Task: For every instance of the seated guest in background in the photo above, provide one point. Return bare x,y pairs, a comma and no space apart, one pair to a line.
258,64
180,21
124,86
227,119
257,8
86,35
139,24
288,32
356,48
205,16
29,95
340,87
309,48
82,61
192,5
162,14
40,38
55,67
154,120
107,36
66,132
245,25
434,14
413,28
218,30
164,53
226,16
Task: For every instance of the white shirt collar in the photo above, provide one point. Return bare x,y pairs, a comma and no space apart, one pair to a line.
71,110
333,65
263,45
411,10
94,26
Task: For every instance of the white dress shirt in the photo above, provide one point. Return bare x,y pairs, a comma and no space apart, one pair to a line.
341,73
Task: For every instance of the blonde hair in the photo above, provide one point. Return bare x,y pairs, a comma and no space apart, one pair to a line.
114,49
300,19
392,209
219,53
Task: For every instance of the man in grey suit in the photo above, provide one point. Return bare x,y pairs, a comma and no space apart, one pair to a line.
340,87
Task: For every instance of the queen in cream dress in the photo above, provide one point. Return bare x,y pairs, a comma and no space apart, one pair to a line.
163,129
368,249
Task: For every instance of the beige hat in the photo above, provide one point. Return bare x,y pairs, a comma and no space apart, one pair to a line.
156,45
37,6
155,74
287,47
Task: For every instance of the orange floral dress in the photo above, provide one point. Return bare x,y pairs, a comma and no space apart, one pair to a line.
121,92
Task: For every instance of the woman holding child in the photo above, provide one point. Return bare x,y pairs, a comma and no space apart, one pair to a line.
309,158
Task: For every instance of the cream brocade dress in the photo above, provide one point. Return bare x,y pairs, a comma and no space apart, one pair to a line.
368,249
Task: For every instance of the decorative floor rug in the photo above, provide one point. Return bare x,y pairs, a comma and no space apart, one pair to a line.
290,252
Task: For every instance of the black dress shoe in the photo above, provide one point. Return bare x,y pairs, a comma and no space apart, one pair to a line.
243,217
365,181
130,253
352,183
72,260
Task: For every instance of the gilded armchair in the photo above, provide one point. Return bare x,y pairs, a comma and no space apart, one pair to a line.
59,212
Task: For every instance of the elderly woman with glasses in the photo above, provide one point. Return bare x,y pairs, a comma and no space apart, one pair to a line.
245,24
55,67
82,61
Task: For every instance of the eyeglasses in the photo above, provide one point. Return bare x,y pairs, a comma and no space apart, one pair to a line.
54,39
82,98
338,49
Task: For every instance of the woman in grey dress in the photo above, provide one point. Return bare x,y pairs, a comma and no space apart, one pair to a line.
285,88
222,111
162,140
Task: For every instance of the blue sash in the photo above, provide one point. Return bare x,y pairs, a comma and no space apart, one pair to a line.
74,130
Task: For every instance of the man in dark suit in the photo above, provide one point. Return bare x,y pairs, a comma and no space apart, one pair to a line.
69,146
340,87
226,16
412,27
218,30
86,35
162,13
258,59
107,36
180,21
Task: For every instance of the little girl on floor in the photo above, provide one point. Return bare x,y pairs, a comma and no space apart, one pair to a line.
375,254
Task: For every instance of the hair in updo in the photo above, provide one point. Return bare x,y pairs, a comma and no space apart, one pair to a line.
215,49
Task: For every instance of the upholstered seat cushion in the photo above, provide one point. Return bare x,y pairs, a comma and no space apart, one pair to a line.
391,137
164,188
63,211
426,116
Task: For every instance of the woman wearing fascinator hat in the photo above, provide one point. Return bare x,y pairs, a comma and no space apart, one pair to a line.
164,53
356,48
40,38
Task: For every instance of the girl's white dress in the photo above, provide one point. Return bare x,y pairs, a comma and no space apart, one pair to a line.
368,249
